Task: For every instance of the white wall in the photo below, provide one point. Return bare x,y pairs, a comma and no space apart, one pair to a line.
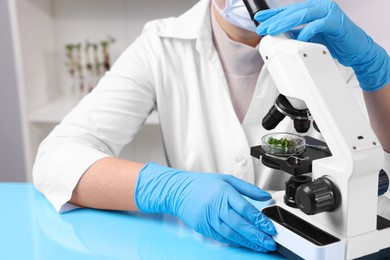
372,16
12,159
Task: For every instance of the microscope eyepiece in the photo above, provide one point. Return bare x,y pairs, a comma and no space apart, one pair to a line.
253,6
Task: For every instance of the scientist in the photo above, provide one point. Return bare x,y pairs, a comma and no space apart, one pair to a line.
204,75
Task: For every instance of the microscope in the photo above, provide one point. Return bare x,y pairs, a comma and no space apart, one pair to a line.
329,207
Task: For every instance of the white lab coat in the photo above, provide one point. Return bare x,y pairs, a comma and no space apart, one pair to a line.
172,67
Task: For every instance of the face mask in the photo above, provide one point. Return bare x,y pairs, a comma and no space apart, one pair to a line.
279,3
236,13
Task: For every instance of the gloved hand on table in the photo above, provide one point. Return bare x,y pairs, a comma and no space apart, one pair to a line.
211,204
327,24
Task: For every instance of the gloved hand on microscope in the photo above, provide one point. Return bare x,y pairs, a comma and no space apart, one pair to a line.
327,24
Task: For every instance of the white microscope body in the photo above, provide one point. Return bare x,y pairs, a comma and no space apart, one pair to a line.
307,72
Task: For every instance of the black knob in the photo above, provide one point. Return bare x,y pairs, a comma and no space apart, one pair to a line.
383,182
291,188
318,196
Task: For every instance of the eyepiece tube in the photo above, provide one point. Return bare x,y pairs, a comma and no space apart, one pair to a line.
254,6
302,125
272,119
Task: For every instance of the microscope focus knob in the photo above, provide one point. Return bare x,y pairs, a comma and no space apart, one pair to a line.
318,196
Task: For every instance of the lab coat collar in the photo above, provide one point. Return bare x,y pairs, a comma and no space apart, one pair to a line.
195,24
191,24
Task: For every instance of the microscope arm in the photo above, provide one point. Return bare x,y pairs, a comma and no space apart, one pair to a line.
307,72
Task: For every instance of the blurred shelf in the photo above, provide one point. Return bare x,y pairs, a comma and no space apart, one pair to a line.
55,111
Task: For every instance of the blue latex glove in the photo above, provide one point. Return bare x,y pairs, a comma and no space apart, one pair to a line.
327,24
211,204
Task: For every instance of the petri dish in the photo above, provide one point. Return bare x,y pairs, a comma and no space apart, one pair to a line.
283,144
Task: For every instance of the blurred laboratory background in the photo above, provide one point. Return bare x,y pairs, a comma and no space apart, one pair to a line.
52,52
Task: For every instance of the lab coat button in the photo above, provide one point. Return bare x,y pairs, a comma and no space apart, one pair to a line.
242,162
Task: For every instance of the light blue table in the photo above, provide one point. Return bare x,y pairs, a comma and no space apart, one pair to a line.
30,228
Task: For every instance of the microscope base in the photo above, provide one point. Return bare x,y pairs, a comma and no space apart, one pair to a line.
298,238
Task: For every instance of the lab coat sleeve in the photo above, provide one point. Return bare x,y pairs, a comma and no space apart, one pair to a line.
101,124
